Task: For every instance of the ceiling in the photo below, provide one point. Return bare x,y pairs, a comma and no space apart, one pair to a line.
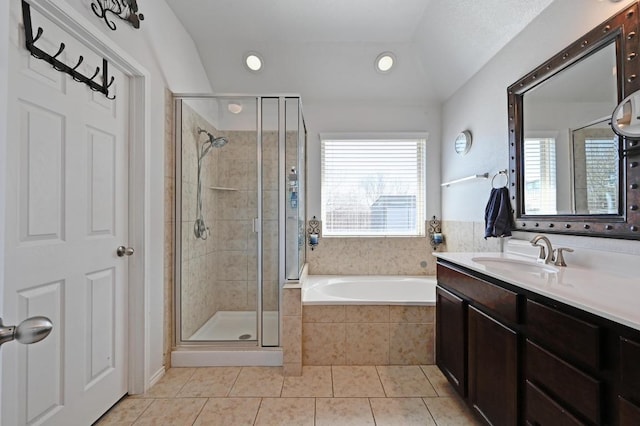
325,49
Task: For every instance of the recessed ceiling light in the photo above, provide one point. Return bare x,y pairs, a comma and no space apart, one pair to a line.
234,108
384,62
253,61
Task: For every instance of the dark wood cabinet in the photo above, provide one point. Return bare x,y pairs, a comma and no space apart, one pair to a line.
518,357
451,340
493,369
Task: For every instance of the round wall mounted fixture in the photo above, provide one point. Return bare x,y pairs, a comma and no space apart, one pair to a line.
234,107
384,62
462,144
253,61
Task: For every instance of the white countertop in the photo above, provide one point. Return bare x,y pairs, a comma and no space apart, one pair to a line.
607,294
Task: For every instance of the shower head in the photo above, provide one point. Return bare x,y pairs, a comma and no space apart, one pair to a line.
213,142
218,142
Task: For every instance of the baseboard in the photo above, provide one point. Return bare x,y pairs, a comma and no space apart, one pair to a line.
226,358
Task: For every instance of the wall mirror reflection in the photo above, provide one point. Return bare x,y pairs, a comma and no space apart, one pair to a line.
568,148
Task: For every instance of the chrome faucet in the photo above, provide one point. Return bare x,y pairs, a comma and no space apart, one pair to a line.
543,256
549,255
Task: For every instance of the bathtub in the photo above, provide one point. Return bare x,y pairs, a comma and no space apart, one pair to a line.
369,290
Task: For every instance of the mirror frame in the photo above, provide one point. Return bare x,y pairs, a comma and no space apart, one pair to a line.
621,29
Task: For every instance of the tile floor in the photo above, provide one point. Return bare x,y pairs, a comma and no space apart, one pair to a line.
339,395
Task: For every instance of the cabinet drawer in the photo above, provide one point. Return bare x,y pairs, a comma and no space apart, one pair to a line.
568,336
564,382
502,302
541,409
630,369
628,414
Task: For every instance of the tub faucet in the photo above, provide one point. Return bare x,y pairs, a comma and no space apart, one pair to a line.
543,256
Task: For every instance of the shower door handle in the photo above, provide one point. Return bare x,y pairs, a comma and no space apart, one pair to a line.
124,251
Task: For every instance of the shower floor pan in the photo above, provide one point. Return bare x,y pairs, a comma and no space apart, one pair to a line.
238,326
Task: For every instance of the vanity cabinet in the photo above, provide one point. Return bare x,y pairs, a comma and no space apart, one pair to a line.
629,397
451,342
493,365
529,359
475,335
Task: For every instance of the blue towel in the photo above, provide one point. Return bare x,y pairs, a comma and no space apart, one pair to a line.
498,215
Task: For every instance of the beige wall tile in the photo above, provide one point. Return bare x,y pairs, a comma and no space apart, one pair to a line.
292,339
367,314
413,314
313,313
229,411
411,344
323,344
292,301
367,344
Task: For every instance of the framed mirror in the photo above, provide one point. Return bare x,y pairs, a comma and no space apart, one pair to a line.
570,173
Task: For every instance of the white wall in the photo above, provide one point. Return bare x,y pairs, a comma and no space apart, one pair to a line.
481,106
171,61
369,117
4,60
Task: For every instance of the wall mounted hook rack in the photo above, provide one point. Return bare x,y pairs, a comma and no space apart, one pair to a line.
36,52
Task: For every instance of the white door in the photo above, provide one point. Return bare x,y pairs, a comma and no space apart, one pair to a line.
66,213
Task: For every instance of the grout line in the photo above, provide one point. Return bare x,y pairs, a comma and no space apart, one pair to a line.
255,419
234,383
200,411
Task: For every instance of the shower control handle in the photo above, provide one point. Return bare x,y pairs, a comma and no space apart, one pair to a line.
124,251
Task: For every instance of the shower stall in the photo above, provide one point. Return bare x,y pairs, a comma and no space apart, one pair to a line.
240,217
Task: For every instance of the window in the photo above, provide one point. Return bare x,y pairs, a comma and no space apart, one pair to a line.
540,175
602,175
373,187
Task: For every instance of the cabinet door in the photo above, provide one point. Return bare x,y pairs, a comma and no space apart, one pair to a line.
493,369
451,338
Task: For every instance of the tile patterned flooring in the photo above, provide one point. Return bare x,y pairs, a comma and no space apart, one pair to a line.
339,395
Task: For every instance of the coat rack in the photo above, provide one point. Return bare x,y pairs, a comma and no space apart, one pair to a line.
60,66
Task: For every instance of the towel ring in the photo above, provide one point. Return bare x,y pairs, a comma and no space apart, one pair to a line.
500,173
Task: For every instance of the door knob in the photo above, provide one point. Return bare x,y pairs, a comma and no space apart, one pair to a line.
31,330
124,251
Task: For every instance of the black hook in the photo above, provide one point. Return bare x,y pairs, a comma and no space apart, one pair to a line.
110,82
38,35
110,97
95,73
62,46
80,59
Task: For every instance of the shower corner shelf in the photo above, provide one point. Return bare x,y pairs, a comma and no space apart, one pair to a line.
222,188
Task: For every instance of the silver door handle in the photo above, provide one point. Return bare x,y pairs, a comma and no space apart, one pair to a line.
29,331
124,251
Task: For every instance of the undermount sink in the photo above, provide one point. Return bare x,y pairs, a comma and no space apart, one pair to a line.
515,265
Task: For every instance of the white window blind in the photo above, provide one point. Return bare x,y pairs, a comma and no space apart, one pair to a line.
540,175
602,175
373,187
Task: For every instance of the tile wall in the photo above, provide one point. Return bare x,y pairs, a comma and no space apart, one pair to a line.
368,335
372,256
467,237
